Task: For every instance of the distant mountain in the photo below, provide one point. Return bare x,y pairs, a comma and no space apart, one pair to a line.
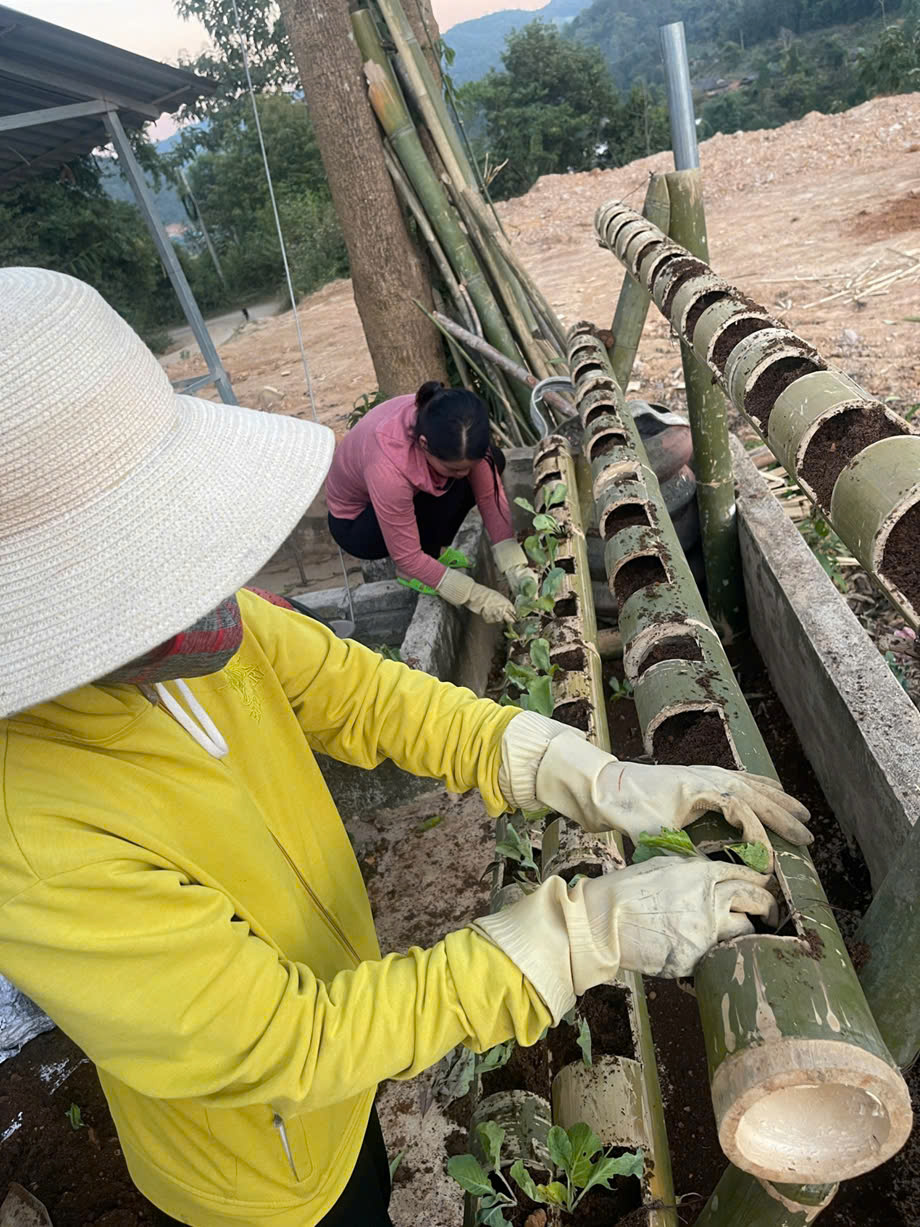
169,206
478,44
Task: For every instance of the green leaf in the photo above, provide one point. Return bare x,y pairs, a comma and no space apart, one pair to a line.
645,853
630,1164
493,1216
584,1144
495,1057
75,1116
523,1179
491,1136
552,547
394,1164
507,701
555,495
560,1148
756,856
468,1173
552,584
535,550
520,675
544,604
540,696
584,1041
544,523
522,502
554,1194
430,823
539,654
669,840
516,848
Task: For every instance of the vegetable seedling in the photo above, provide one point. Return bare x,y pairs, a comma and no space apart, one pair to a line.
580,1164
678,843
75,1116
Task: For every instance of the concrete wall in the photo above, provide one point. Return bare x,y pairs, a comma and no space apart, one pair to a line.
857,726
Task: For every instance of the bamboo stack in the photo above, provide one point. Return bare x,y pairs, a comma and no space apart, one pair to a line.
484,290
856,459
796,1061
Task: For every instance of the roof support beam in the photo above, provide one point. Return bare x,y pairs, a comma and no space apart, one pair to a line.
167,253
35,74
52,115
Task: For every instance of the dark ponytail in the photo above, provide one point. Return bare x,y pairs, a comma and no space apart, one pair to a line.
454,422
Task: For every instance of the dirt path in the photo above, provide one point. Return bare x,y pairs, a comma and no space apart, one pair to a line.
793,214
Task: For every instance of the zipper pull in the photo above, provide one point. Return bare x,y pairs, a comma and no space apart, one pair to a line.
278,1122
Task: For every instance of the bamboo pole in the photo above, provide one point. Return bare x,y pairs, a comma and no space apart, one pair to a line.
633,302
858,461
394,119
712,460
514,369
507,293
797,1065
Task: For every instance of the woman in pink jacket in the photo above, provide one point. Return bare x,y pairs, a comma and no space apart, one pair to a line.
402,482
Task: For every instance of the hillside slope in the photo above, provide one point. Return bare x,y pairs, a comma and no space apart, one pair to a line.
478,44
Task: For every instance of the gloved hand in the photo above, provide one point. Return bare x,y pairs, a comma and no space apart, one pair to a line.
512,562
458,589
658,918
542,766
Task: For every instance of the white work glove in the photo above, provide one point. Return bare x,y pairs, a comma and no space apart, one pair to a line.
512,562
658,918
458,589
543,766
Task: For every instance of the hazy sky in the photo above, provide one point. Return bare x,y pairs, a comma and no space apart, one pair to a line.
152,28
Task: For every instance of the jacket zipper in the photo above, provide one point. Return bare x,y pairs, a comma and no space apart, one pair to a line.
320,907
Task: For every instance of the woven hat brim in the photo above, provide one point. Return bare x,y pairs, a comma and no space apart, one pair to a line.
97,585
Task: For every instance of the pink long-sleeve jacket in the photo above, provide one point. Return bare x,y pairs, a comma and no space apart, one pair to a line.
379,462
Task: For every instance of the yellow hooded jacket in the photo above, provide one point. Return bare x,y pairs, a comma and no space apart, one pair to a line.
200,928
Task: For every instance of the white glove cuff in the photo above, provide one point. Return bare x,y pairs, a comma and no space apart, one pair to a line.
524,744
567,781
455,587
533,933
508,554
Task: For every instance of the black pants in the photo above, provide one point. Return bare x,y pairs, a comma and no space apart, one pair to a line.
365,1198
438,516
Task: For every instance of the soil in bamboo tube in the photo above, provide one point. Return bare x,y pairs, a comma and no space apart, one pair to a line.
834,445
607,1014
900,564
527,1070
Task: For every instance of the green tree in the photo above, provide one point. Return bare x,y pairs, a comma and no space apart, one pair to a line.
553,108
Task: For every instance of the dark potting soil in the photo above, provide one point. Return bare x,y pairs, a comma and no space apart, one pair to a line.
607,1013
646,250
527,1070
682,647
636,574
566,608
605,442
682,270
606,1208
900,563
702,304
761,397
834,445
573,660
627,515
576,715
732,335
78,1174
691,738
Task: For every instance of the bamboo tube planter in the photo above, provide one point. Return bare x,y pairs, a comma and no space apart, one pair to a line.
633,302
803,1088
619,1095
856,459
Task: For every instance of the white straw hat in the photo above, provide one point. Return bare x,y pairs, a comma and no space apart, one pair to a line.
126,512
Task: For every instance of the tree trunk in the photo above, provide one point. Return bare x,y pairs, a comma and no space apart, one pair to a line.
386,270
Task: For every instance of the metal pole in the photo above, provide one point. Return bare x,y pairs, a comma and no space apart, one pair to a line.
167,253
680,96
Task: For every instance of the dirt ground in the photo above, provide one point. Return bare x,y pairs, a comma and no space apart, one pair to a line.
794,214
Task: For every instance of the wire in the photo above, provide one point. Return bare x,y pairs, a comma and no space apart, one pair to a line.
287,270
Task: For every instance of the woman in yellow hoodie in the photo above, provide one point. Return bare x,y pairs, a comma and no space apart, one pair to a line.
176,888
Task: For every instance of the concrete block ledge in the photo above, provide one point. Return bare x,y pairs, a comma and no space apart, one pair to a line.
859,729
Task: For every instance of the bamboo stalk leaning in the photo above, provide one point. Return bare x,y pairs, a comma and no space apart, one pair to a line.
803,1088
391,111
856,459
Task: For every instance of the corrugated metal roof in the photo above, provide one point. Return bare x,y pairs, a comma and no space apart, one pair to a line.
43,65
